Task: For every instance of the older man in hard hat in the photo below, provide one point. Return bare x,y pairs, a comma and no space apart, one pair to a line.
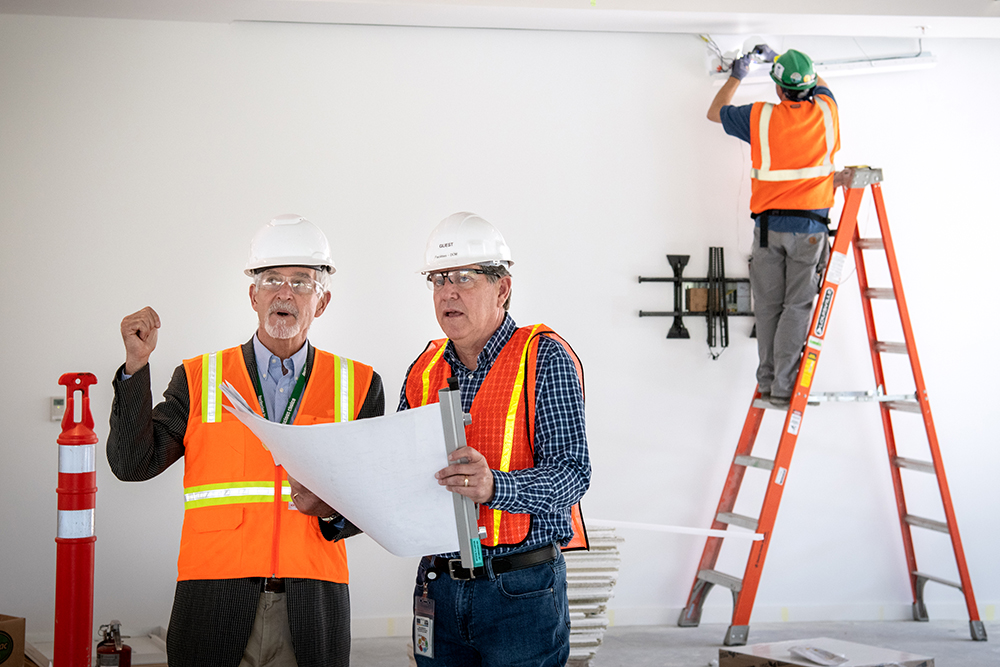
792,145
262,571
526,462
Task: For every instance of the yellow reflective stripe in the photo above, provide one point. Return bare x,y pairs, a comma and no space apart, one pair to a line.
211,397
426,375
765,173
508,431
824,106
764,131
346,390
337,384
237,492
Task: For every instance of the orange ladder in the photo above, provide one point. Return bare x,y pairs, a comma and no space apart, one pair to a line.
744,590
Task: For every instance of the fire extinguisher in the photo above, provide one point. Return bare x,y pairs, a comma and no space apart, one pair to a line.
111,652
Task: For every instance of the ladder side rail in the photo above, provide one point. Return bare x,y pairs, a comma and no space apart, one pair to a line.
727,501
886,415
925,408
793,418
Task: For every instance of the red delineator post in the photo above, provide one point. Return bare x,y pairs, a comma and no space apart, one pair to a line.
74,626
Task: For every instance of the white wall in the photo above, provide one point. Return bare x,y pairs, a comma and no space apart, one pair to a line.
137,159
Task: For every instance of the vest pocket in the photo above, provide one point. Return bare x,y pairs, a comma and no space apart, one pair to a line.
215,518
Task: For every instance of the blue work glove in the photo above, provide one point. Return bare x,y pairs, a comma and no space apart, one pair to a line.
764,53
741,67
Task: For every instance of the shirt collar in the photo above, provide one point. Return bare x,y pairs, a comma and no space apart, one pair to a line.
263,358
490,351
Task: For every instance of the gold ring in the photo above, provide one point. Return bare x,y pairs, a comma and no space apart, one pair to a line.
294,496
466,480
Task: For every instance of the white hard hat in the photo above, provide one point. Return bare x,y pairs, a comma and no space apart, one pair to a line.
462,239
289,240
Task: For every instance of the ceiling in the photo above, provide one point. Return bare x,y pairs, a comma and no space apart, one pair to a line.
889,18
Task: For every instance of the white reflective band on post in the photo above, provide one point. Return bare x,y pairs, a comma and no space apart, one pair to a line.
74,524
212,387
231,493
76,458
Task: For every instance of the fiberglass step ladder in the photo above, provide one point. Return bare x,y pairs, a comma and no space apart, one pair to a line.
744,590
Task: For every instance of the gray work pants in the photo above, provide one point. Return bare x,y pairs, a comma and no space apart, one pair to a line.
785,277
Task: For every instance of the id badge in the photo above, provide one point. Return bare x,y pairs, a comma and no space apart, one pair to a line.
423,627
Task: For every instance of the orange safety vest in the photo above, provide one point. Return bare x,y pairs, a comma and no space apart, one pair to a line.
791,149
237,516
503,421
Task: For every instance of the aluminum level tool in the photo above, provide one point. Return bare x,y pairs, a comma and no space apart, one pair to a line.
466,512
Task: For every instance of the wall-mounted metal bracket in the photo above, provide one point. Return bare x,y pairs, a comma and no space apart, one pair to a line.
726,297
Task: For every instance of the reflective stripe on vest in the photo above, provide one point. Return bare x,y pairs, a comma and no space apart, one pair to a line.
508,431
765,173
344,407
211,397
232,494
425,377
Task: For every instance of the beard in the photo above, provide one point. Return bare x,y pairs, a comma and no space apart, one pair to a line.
280,329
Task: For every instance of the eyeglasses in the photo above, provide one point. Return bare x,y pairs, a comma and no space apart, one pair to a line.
272,282
461,278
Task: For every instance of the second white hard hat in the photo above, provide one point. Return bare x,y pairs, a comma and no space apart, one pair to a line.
462,239
289,240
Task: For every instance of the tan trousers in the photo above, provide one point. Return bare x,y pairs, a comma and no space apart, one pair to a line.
270,642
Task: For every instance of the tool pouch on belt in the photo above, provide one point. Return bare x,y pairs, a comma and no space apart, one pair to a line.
792,213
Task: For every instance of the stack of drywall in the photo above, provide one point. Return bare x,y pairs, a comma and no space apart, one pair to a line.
591,577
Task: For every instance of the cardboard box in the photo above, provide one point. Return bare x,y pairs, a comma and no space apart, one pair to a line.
11,641
697,299
777,654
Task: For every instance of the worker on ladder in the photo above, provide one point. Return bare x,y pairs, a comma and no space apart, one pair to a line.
792,145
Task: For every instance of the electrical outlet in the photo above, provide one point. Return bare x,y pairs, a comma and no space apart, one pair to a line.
57,407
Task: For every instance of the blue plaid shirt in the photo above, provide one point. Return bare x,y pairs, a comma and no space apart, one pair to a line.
561,474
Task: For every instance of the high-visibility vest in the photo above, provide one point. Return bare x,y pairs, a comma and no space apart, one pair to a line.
503,421
791,149
237,516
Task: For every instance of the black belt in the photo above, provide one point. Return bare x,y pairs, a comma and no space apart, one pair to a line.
792,213
272,586
499,564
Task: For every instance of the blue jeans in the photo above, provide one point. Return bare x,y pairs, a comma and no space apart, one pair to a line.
516,619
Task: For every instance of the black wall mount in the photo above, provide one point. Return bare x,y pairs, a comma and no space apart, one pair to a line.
726,297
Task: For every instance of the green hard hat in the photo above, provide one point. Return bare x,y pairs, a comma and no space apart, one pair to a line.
793,69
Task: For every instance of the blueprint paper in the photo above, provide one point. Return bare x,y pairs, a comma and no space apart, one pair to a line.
379,473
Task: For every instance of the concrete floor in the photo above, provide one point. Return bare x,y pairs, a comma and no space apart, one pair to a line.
948,642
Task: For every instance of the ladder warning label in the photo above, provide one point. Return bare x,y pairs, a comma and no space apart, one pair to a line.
815,343
808,366
794,421
779,478
824,311
836,267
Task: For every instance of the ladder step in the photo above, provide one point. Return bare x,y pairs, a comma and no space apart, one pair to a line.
754,462
891,348
732,519
870,244
946,582
913,464
904,406
929,524
721,579
879,293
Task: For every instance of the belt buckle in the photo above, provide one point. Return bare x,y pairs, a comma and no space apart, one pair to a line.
452,567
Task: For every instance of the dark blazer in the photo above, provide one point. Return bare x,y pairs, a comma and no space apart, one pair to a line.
211,619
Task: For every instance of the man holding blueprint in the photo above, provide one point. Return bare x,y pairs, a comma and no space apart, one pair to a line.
262,570
526,463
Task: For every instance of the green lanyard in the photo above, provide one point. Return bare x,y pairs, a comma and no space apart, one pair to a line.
300,386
